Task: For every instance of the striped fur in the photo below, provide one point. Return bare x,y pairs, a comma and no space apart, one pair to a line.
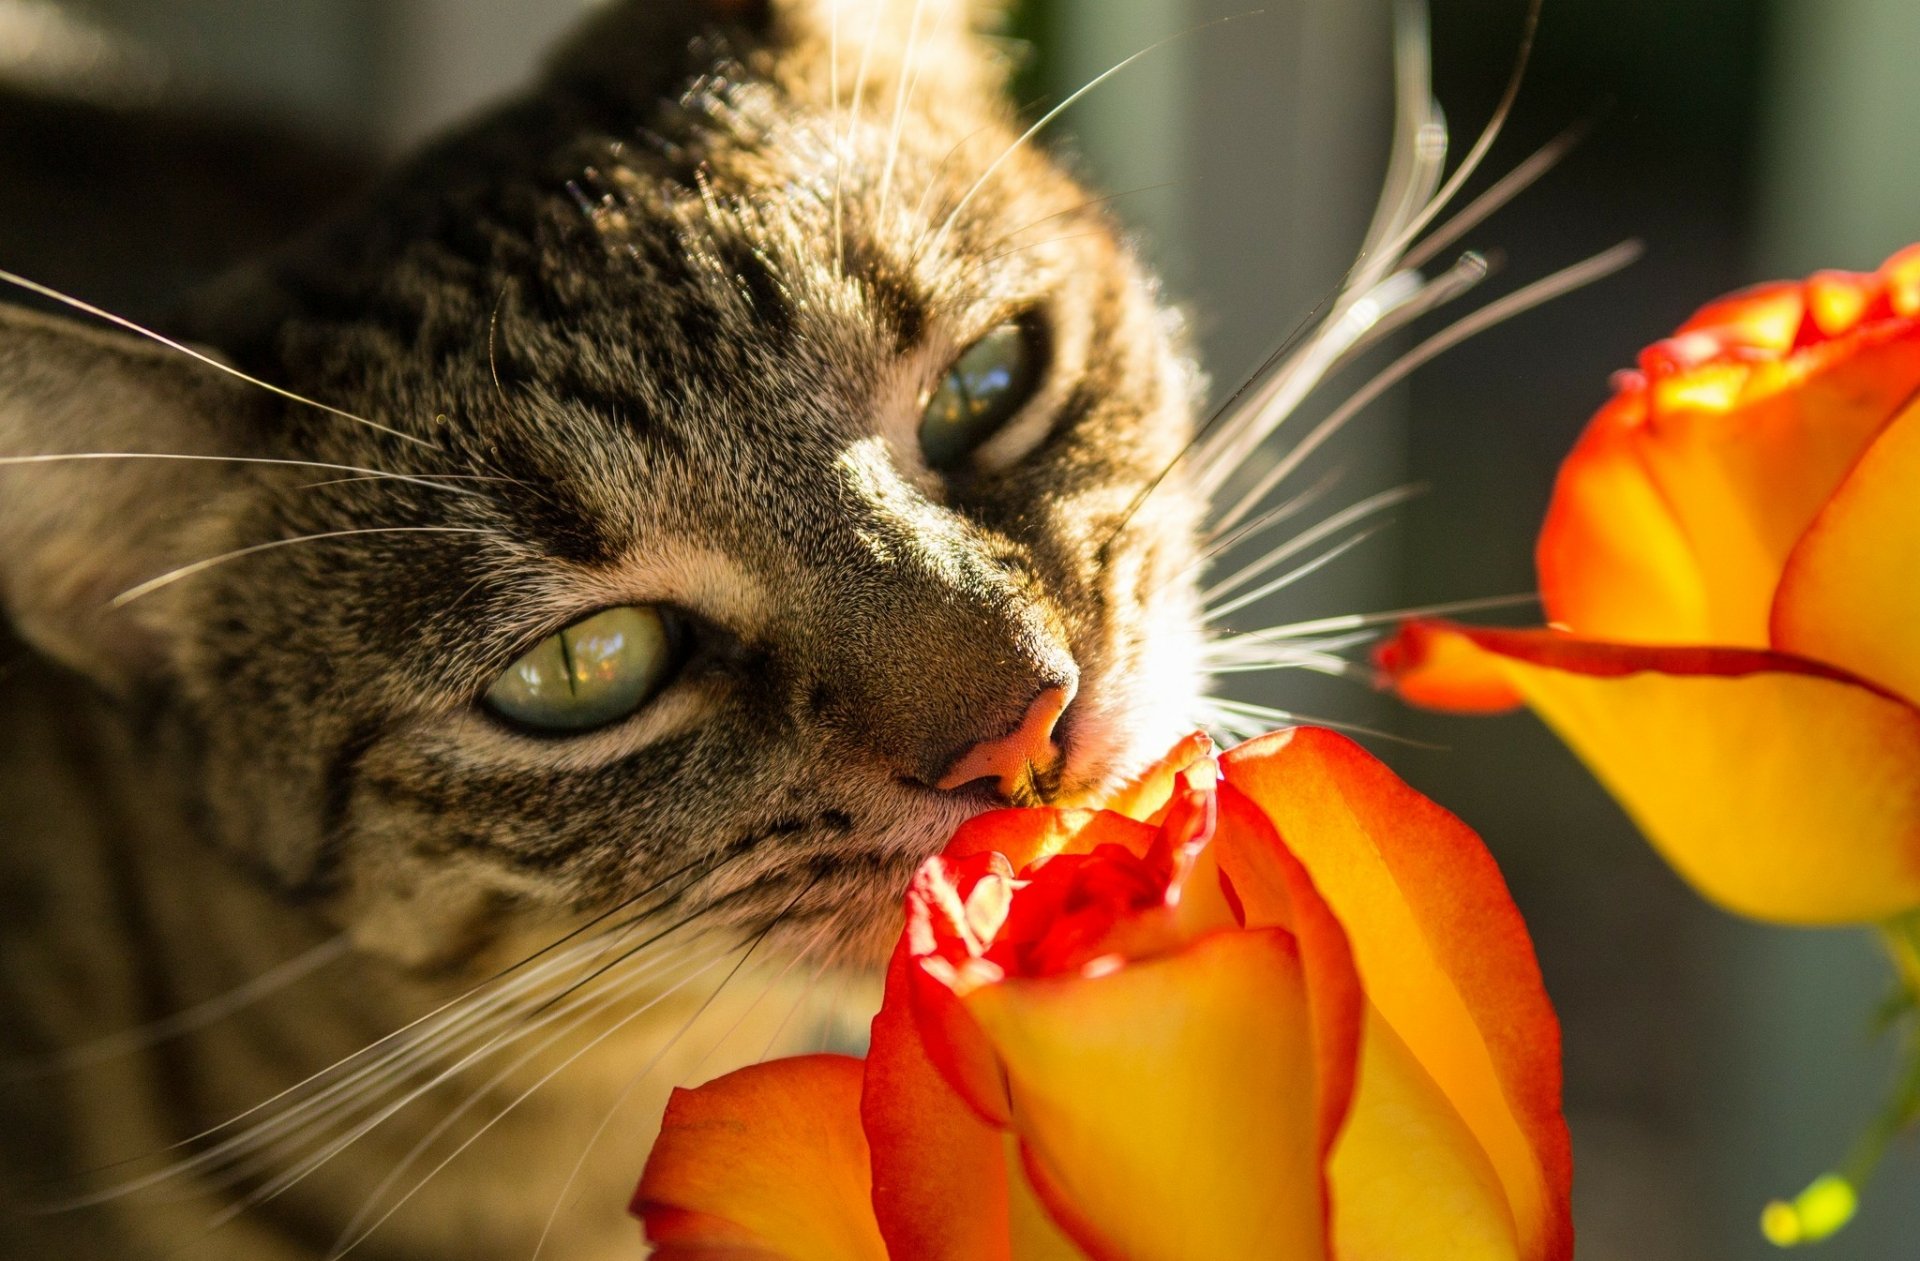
655,332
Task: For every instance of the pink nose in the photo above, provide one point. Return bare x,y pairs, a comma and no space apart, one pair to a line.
1015,759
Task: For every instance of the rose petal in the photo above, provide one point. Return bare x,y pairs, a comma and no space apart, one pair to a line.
940,1184
765,1164
1675,513
1441,949
1027,836
1410,1181
1781,788
1274,891
1851,591
1612,558
1440,672
1150,790
1167,1109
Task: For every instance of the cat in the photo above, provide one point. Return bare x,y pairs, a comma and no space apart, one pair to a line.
503,655
636,534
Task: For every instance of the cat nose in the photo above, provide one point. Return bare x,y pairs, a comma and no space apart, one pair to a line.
1016,760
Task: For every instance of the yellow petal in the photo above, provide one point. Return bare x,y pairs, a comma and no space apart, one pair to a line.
1167,1110
1780,789
1851,591
1442,952
1674,514
1410,1181
768,1163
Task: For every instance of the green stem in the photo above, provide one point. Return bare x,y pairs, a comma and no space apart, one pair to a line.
1830,1201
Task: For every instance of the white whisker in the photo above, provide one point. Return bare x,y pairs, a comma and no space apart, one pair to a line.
194,1018
1351,621
909,80
351,1079
21,282
1520,301
1413,15
1219,542
1286,717
1026,137
1292,576
1307,538
359,1228
433,481
646,1071
198,567
1504,190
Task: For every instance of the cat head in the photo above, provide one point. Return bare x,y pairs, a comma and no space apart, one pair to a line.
733,473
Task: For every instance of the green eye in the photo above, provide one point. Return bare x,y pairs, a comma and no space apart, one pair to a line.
986,387
593,673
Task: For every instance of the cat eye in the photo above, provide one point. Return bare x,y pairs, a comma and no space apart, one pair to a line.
987,386
595,672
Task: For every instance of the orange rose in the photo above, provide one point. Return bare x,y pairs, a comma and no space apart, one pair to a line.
1731,570
1165,1034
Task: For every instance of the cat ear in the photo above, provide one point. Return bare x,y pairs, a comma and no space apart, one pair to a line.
77,532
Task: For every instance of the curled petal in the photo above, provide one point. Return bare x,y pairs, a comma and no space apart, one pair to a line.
1674,515
1442,953
765,1164
1441,672
1025,837
1148,793
1783,789
1851,591
1166,1109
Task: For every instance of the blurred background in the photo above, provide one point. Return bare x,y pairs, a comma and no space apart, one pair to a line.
1711,1063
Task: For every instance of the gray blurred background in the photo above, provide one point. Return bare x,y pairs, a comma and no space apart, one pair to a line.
1710,1063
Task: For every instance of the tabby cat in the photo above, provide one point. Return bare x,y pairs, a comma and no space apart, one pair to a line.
603,563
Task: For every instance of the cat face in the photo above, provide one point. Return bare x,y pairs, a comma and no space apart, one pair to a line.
670,347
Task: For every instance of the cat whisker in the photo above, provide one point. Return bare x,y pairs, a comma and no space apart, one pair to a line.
54,295
1088,204
432,481
1231,656
522,1003
493,334
1296,574
1265,716
853,125
1218,542
182,1023
1503,191
1466,273
303,1117
1540,292
494,1023
909,80
571,1018
939,237
1021,249
422,1033
633,1083
1413,17
804,1000
198,567
1372,297
385,477
1349,621
357,1233
1300,542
